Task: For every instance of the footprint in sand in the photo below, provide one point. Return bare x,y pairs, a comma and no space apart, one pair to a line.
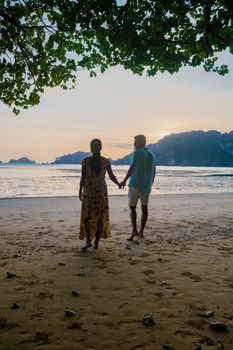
148,272
113,272
123,305
144,255
101,266
45,295
116,234
4,324
183,334
194,277
42,338
150,281
101,313
197,323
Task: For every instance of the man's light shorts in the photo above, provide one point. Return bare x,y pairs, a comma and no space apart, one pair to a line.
134,197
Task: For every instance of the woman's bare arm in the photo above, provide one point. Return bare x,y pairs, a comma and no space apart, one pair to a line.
112,176
82,181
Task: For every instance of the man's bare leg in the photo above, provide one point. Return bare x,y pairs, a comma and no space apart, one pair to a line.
133,217
143,220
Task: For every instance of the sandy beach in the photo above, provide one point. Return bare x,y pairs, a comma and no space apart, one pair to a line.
181,273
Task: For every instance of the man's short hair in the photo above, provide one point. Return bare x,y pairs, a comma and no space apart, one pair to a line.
141,139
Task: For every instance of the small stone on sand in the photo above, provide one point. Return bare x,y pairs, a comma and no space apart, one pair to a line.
206,314
218,326
10,274
69,313
75,293
148,320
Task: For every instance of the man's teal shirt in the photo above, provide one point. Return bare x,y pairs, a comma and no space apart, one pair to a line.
143,163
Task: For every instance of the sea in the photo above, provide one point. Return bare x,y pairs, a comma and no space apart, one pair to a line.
22,181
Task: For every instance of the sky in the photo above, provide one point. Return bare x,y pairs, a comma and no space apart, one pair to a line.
116,106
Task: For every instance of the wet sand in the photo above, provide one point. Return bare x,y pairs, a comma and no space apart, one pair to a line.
182,268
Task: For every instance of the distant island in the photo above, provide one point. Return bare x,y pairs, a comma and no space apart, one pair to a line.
73,158
191,148
22,160
194,148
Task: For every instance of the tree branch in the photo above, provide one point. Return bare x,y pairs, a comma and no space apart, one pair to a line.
18,25
8,18
25,57
206,29
120,15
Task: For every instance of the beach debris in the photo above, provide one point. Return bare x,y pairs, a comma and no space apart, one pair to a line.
61,220
15,306
16,256
220,346
229,317
206,314
81,274
69,313
160,259
148,320
10,274
75,293
168,347
74,325
218,326
61,263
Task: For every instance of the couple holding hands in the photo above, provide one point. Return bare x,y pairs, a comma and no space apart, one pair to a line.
93,192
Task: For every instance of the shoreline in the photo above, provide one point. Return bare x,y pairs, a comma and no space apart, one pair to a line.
125,195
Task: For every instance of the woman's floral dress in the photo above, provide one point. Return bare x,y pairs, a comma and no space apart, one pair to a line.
95,208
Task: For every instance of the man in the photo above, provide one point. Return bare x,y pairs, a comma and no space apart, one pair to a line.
141,173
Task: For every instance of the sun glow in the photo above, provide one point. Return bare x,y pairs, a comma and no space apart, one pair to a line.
161,135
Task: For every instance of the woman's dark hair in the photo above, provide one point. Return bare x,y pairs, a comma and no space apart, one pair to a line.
96,146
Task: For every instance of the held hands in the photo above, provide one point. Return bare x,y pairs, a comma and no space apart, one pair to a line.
122,184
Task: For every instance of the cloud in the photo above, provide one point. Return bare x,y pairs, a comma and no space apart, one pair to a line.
120,145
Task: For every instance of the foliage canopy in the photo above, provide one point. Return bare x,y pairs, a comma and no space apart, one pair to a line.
44,43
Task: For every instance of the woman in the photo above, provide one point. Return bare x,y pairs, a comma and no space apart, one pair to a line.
94,196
